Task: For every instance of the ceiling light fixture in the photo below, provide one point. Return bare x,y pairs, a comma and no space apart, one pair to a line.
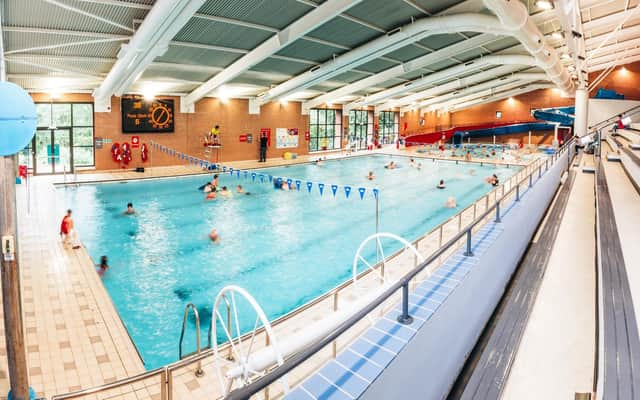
557,35
544,4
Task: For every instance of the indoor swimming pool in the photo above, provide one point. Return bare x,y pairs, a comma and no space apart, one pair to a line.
284,247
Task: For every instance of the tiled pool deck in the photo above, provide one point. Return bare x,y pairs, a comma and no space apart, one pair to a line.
74,337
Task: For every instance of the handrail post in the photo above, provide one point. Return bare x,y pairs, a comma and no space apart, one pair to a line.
163,385
498,220
518,191
469,252
405,318
530,180
334,345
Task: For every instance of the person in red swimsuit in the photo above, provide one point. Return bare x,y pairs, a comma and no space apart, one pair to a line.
67,231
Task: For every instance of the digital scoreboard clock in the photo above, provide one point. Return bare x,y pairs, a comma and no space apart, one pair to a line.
140,115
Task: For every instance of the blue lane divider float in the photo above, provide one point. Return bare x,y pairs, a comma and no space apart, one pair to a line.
295,184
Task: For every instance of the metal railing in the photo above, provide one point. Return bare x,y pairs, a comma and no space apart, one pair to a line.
402,284
165,375
632,111
190,306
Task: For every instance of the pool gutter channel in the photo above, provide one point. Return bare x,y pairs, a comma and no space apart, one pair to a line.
208,351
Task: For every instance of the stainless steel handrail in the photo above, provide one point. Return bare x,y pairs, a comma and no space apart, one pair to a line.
199,371
165,372
230,354
603,123
256,386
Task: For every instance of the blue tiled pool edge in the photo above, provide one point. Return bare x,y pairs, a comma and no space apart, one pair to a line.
358,366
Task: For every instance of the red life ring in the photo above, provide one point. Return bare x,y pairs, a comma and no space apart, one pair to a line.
143,152
125,153
115,152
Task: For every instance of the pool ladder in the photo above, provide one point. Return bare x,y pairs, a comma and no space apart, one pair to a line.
191,306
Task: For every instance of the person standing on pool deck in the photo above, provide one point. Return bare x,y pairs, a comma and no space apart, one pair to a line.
264,141
215,135
68,232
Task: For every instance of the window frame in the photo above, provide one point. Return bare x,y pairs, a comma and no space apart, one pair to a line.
320,136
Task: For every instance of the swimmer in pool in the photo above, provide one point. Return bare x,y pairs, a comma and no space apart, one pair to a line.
239,189
225,192
210,196
451,202
213,236
371,176
285,186
208,188
214,182
441,185
102,268
391,165
319,161
493,180
129,210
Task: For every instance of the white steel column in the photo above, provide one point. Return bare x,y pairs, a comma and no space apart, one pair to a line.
582,111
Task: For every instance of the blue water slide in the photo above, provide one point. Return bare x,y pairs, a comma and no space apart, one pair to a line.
507,129
562,115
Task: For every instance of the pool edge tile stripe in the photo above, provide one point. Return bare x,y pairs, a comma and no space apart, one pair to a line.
383,335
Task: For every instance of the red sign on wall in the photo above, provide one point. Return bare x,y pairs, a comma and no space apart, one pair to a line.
243,138
135,142
307,136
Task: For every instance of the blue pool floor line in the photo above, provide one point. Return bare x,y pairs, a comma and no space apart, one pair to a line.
357,366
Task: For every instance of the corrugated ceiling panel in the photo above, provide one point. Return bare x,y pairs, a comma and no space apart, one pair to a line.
275,13
386,14
20,41
167,73
344,32
350,76
470,55
200,30
308,50
407,53
442,64
437,42
436,6
502,43
281,66
38,13
190,55
376,65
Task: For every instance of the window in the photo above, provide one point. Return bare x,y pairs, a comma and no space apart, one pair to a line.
388,129
360,129
325,128
75,118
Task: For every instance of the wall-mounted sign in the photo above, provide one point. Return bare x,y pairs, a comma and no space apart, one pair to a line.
99,142
135,142
142,116
249,138
307,136
243,138
286,138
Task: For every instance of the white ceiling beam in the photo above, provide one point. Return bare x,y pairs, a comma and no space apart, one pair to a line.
415,64
621,61
67,69
70,59
65,32
617,48
61,45
88,14
315,18
443,76
3,65
432,94
630,52
632,32
484,89
151,40
615,32
501,96
478,93
608,21
119,3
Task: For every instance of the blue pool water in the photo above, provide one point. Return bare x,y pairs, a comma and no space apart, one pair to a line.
285,248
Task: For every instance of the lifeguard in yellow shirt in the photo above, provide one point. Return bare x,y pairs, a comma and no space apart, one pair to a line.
215,135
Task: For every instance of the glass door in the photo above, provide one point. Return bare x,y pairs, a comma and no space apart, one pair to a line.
52,151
